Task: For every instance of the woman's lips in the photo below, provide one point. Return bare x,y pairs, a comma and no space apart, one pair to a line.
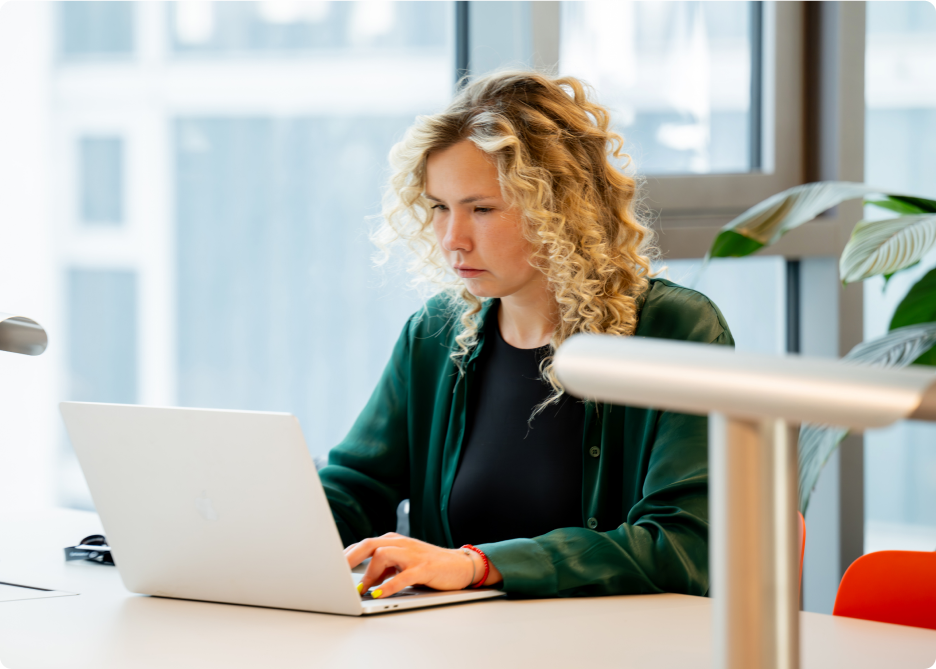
468,272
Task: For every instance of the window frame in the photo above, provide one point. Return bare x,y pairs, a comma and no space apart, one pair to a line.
689,209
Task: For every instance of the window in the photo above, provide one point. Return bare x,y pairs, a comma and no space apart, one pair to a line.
92,28
900,142
680,78
750,293
683,81
500,34
101,176
220,163
278,305
102,340
737,91
302,26
686,83
102,335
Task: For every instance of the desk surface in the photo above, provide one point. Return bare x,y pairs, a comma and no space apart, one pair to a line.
106,627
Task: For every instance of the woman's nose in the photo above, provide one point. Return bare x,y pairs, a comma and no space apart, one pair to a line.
457,233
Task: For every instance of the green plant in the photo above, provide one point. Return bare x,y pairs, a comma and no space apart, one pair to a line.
877,247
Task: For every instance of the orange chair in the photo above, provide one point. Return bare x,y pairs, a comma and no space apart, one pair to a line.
802,546
890,587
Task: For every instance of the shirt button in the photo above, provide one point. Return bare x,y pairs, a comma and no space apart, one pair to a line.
594,451
592,523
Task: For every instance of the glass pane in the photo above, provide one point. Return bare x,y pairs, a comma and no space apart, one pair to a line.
260,137
101,179
283,26
286,313
750,293
677,76
900,461
103,359
499,35
95,28
102,335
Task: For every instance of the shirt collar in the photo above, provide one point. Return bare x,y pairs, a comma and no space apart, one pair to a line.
484,323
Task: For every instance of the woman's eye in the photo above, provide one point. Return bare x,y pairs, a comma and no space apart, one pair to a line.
440,207
484,210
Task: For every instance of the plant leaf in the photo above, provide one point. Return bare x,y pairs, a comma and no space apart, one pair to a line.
731,244
928,358
897,206
888,246
768,221
817,443
921,203
887,277
898,348
918,306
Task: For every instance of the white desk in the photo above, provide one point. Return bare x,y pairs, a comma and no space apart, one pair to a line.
106,627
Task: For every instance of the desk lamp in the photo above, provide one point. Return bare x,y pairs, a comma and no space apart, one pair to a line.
19,334
754,403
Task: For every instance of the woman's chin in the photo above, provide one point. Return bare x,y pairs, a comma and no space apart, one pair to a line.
482,289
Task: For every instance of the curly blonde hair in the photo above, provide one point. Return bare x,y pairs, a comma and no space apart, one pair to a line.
553,150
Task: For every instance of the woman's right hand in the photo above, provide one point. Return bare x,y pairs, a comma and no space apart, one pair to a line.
404,561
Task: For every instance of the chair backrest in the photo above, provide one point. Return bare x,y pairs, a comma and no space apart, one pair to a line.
890,587
802,546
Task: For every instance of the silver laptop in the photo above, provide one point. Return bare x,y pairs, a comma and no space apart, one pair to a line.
221,506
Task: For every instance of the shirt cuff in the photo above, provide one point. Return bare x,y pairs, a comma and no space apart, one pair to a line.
525,567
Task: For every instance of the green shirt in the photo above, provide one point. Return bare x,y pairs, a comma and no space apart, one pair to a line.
645,472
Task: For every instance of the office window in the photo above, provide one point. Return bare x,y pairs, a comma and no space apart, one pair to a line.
499,34
102,335
259,136
226,28
750,293
900,461
93,28
100,177
681,78
279,307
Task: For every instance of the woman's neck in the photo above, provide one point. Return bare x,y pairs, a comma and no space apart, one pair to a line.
527,319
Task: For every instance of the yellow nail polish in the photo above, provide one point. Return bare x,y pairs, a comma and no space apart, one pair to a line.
360,587
376,594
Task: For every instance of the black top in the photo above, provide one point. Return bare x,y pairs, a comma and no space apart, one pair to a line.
516,479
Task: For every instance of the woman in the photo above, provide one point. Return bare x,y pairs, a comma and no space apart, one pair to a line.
512,205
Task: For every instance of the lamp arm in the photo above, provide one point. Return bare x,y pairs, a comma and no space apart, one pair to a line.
19,334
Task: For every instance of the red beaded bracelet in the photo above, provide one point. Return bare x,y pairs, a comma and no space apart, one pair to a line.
487,565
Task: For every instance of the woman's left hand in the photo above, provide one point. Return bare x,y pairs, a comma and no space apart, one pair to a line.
405,562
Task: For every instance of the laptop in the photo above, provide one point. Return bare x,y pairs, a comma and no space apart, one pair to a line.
222,506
